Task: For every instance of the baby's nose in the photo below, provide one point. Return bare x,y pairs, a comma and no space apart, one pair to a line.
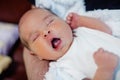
46,33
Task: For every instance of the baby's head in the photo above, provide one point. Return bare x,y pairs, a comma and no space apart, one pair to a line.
45,34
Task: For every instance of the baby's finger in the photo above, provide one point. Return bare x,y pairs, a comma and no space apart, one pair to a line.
100,50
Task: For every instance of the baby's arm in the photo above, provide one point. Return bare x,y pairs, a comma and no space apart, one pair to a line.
76,20
106,62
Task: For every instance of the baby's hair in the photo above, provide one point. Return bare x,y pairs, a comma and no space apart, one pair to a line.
25,43
74,33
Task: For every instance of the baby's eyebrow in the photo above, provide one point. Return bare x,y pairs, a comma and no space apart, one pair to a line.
47,17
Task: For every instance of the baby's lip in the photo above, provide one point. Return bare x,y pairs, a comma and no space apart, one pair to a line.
55,42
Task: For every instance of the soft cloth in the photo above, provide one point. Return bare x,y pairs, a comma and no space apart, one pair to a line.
110,17
4,63
78,63
63,7
8,36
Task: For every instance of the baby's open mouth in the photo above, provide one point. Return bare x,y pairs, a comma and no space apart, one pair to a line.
55,42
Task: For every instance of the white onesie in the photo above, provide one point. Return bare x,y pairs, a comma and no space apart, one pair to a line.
78,63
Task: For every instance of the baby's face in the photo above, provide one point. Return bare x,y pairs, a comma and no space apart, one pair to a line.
48,36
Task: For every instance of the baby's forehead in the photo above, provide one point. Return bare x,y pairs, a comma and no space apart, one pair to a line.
38,14
33,14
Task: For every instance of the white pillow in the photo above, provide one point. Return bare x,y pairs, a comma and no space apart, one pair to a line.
8,36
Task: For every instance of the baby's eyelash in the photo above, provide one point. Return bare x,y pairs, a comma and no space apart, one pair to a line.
51,21
34,37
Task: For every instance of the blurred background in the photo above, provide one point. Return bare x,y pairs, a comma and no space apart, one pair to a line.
11,61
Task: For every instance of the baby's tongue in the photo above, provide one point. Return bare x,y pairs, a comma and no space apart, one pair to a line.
55,42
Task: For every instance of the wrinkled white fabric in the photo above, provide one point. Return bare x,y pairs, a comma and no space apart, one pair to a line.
78,62
110,17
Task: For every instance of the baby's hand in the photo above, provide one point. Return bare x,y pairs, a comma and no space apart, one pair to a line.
73,19
105,59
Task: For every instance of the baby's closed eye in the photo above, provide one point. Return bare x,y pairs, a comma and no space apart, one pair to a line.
49,21
34,36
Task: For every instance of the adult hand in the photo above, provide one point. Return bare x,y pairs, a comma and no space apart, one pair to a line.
35,68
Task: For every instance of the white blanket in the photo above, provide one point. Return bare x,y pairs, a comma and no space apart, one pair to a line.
63,7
